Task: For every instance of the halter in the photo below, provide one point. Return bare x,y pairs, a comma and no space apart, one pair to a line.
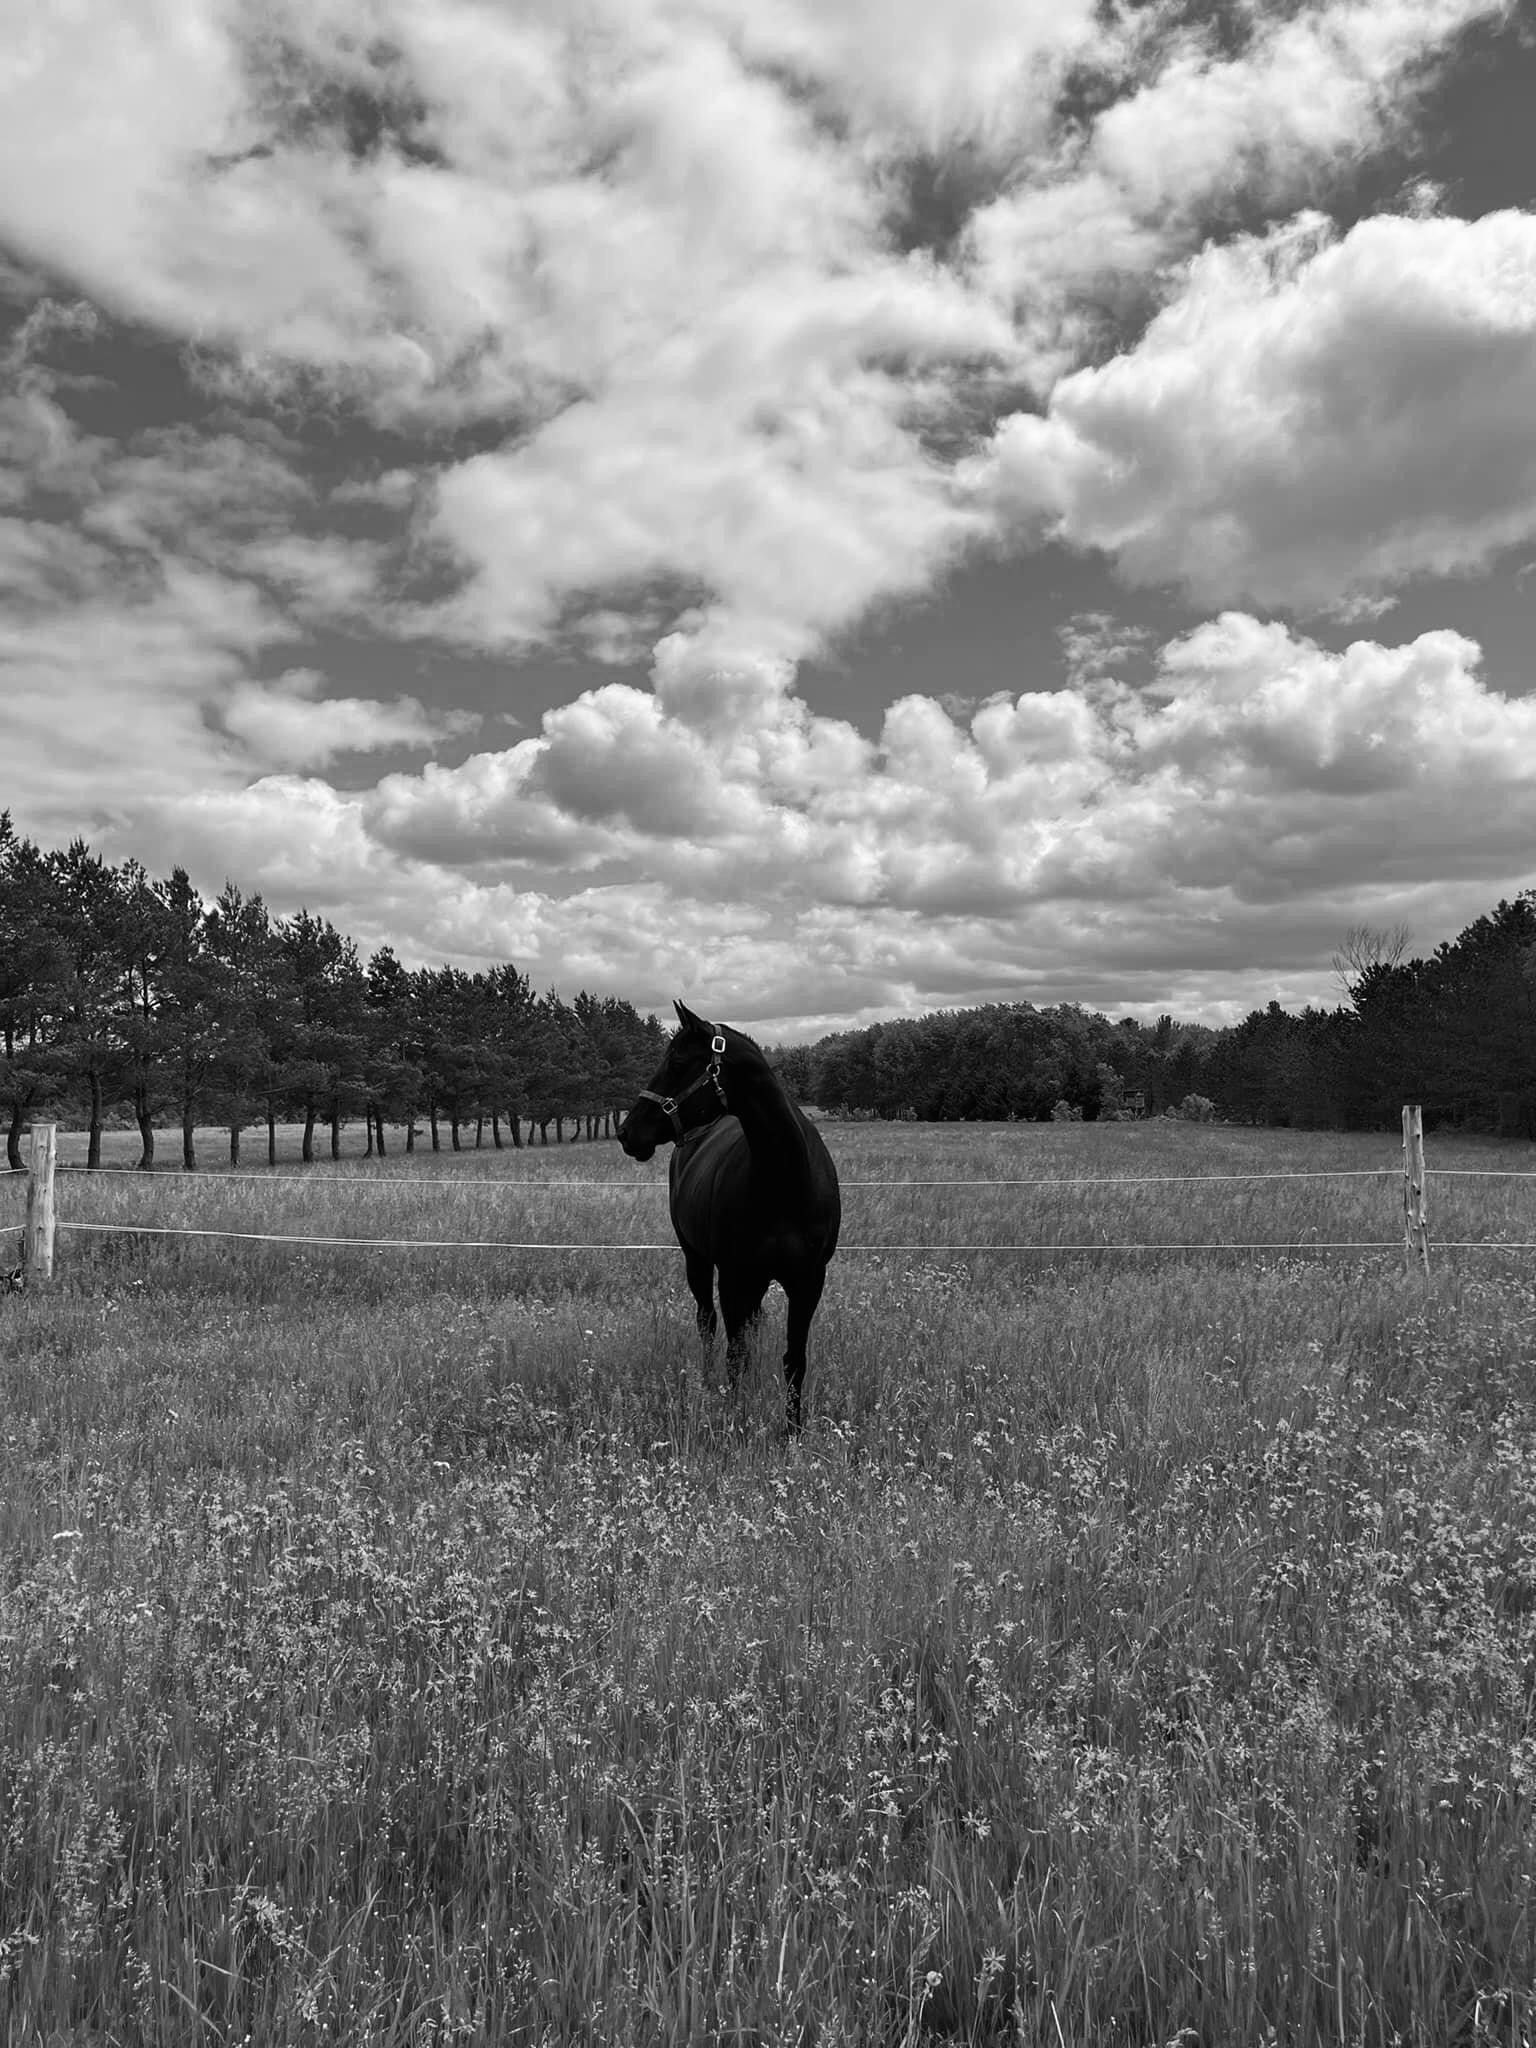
668,1104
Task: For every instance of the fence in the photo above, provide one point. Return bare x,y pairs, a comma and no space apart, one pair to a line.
42,1221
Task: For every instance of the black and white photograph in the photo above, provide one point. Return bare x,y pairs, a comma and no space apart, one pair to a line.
768,1023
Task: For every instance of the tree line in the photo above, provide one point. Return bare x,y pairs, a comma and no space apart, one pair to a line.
126,995
1455,1032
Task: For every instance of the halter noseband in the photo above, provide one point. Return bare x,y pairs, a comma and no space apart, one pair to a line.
668,1104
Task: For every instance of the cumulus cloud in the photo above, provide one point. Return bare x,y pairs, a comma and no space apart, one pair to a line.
1255,793
1312,418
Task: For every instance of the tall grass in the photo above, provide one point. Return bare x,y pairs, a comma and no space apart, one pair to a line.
429,1645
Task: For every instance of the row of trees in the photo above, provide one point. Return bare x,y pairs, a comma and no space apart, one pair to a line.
122,994
1455,1032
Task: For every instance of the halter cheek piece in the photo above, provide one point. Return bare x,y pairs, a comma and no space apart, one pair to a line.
710,1078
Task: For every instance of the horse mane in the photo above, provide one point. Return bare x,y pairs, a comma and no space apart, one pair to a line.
756,1071
701,1028
741,1038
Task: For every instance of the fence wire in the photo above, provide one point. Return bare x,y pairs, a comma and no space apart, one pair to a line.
143,1176
496,1244
497,1184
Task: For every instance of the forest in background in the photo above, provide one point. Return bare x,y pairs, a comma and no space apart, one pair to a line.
127,997
1455,1032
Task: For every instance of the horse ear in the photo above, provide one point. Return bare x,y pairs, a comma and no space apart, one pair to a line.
687,1019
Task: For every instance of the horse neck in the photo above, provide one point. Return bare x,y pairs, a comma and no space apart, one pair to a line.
768,1121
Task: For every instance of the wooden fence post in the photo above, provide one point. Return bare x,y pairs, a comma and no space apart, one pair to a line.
1415,1209
37,1232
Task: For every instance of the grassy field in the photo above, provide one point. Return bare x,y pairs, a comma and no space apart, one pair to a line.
426,1645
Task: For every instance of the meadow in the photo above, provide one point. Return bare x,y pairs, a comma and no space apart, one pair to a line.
428,1645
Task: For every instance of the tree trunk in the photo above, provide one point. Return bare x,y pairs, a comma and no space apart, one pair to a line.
93,1141
13,1158
378,1117
368,1127
410,1132
188,1139
479,1129
307,1149
335,1133
437,1143
559,1130
544,1131
496,1128
271,1133
515,1126
453,1125
234,1144
146,1126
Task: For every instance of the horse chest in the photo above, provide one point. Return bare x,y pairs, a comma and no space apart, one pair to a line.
720,1205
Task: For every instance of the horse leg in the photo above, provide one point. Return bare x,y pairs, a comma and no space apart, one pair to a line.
701,1285
741,1299
803,1294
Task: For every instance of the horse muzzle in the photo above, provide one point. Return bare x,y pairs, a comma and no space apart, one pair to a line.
636,1144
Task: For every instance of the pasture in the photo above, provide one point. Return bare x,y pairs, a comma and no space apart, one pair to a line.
424,1646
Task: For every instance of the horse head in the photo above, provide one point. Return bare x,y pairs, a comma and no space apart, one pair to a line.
686,1091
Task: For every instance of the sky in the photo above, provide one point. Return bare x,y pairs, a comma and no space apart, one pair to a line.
830,509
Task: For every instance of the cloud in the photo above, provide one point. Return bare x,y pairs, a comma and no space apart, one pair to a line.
666,252
286,724
1194,129
661,251
126,661
761,461
1252,796
1311,421
1300,768
983,73
106,668
1097,645
186,490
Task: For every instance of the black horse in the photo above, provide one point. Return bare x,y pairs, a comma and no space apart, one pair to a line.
753,1188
